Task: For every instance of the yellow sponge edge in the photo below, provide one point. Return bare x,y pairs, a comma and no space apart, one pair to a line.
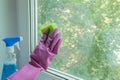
51,28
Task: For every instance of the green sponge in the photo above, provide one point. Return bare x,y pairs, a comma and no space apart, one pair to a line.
51,28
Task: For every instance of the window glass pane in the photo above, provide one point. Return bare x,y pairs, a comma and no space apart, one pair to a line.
91,36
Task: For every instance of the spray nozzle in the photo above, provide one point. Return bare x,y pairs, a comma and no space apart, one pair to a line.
10,43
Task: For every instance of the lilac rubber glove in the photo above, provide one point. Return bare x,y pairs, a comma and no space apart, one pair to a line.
41,57
46,50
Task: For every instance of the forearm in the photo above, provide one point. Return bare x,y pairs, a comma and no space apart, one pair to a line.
28,72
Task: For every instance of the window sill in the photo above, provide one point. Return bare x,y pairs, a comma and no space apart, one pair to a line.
62,75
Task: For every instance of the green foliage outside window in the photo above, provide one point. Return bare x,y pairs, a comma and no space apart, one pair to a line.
91,36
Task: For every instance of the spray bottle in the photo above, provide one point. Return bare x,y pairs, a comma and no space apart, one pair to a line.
9,67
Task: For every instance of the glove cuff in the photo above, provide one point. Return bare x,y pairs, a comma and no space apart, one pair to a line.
35,64
28,72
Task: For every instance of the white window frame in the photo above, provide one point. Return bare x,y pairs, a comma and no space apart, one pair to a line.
27,19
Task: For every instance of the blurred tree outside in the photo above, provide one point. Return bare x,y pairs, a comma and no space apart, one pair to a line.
90,31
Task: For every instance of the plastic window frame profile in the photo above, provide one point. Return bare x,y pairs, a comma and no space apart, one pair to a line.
53,74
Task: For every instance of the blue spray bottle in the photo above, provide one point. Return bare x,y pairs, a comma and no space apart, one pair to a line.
9,67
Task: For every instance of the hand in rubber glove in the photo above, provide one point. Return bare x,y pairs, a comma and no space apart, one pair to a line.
41,57
46,50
